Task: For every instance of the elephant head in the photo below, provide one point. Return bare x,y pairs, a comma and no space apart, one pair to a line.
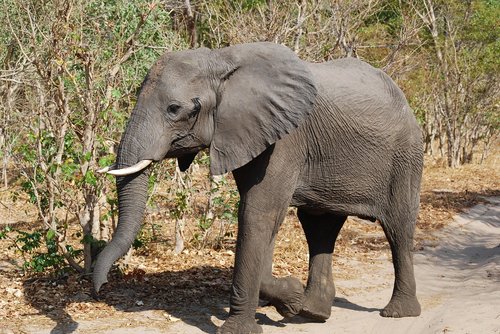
237,101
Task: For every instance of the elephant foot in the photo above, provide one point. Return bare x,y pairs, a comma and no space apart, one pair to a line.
316,312
289,299
398,307
240,325
288,309
318,304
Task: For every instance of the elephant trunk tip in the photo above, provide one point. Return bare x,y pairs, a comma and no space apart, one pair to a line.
98,282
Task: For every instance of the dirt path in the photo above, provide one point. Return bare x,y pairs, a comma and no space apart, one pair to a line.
458,277
458,287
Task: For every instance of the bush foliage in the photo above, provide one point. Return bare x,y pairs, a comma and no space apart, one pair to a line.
70,71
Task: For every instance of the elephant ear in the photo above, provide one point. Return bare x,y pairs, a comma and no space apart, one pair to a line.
266,91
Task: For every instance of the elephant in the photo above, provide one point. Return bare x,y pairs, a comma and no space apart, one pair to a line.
333,139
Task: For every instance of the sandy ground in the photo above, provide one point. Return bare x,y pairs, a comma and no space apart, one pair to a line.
458,277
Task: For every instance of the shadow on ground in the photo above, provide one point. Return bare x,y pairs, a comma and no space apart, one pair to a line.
194,296
197,294
346,304
474,245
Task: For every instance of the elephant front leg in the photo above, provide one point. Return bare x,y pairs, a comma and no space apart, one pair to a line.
256,231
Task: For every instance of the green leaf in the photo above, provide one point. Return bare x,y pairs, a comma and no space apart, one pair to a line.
87,156
116,94
90,178
87,239
50,235
106,160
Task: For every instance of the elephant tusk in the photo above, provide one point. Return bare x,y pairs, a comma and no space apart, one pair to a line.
106,169
132,169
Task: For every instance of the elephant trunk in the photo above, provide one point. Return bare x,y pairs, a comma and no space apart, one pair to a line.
132,196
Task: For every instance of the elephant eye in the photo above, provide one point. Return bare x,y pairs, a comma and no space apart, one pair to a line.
173,109
197,104
196,108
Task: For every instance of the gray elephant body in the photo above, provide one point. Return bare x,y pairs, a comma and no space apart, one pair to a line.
349,156
332,139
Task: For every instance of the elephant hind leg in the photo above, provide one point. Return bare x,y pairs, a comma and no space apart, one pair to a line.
321,233
403,302
286,294
398,224
399,227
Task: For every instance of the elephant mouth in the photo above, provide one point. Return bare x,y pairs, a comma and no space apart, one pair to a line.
180,152
181,146
185,145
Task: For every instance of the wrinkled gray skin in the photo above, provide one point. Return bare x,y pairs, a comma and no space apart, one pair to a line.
332,139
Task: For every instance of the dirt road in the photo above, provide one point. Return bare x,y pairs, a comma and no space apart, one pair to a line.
458,277
458,286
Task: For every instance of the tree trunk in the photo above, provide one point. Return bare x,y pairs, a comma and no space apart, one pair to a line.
181,193
179,236
191,24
